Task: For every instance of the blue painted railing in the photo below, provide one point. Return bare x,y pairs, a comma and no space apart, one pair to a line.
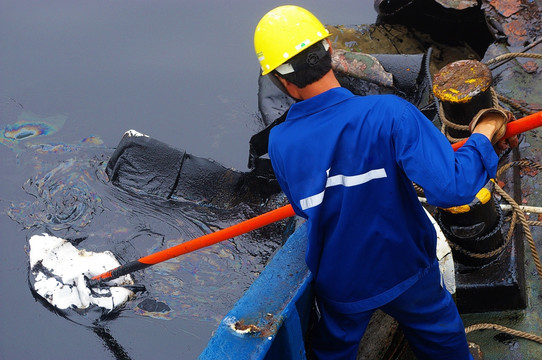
276,308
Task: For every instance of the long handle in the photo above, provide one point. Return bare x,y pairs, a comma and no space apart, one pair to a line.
516,127
195,244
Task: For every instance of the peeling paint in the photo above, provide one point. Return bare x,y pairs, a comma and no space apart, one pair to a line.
506,7
520,20
363,66
458,4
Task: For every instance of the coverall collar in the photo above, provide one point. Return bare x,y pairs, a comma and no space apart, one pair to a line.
319,102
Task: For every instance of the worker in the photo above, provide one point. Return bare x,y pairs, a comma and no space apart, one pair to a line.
347,164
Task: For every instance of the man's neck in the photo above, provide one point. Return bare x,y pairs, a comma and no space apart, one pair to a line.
327,82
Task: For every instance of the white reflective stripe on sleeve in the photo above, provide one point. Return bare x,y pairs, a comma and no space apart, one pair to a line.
347,181
312,201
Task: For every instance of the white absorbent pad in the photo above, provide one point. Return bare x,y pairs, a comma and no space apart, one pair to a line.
59,271
445,257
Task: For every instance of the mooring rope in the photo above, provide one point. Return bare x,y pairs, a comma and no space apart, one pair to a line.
447,124
517,213
514,105
534,223
484,326
516,209
512,55
505,57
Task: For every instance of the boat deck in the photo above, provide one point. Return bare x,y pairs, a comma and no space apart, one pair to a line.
497,345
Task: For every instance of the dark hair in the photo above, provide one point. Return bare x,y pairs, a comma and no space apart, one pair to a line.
310,65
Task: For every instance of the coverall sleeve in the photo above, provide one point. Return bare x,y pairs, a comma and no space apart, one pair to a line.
448,178
276,161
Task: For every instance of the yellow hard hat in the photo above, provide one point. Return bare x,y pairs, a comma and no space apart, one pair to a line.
283,33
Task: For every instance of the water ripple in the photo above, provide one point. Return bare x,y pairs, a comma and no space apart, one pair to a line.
63,196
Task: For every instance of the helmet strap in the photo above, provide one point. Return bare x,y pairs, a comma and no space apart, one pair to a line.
277,83
312,57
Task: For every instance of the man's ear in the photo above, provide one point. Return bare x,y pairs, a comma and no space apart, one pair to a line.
286,86
282,80
275,79
330,47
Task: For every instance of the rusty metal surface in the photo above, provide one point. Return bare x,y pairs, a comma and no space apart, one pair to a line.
397,39
388,7
519,80
462,80
519,21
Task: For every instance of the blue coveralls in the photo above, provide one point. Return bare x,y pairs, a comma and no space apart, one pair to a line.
347,163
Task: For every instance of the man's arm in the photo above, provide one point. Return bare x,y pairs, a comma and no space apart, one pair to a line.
425,155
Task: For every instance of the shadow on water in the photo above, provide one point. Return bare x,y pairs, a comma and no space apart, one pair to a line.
101,332
83,319
112,345
109,342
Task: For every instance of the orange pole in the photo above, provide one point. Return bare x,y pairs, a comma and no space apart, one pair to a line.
195,244
513,128
220,235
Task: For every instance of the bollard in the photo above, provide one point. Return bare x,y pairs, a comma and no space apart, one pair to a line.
489,271
463,87
474,230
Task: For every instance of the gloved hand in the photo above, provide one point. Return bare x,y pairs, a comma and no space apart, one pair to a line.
500,118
